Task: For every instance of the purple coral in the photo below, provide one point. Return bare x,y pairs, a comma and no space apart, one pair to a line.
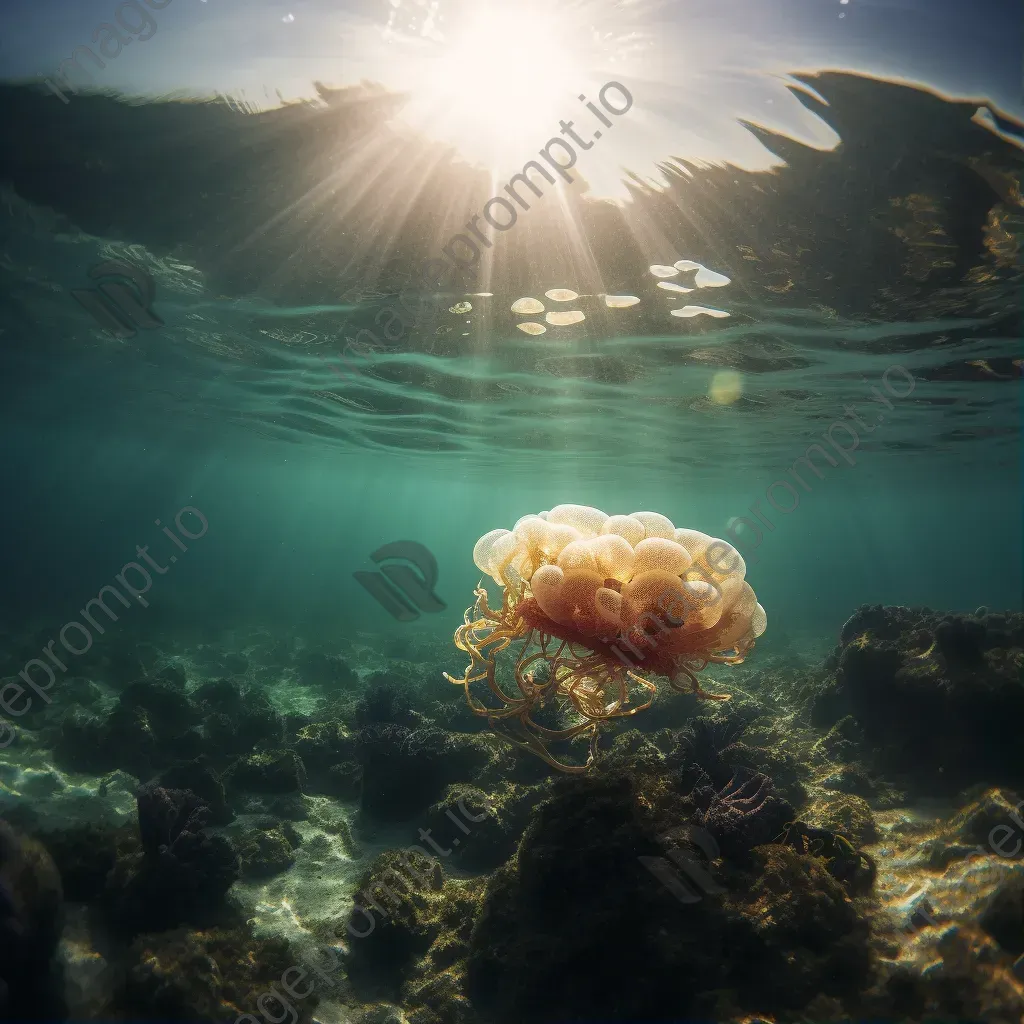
745,813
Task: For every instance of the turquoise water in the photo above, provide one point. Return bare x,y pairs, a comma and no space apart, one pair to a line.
273,399
273,454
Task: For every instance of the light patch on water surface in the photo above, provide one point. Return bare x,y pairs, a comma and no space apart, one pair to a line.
572,316
705,278
620,301
660,270
726,387
671,286
561,294
710,279
461,307
530,327
527,307
699,311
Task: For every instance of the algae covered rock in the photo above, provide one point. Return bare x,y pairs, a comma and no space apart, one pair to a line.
264,852
344,780
201,779
319,668
406,770
692,933
479,832
268,771
940,699
84,855
212,976
234,721
180,875
31,904
849,815
321,744
409,924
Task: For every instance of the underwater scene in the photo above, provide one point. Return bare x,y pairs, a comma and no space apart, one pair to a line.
512,512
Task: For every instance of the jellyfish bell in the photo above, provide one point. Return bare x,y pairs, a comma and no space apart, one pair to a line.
594,605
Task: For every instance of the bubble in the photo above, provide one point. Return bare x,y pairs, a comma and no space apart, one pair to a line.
660,270
527,307
560,295
620,301
671,286
726,387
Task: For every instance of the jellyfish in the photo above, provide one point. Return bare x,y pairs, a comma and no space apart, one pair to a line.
592,606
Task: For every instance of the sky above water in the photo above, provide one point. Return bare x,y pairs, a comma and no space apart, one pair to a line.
493,77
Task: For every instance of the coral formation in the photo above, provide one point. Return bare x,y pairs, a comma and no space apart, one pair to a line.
406,770
206,977
743,814
413,924
767,934
180,875
580,589
938,699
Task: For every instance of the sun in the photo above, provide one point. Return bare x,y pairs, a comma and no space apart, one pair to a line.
499,82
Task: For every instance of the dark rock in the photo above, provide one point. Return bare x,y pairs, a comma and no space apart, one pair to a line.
843,740
939,699
202,780
84,855
962,641
1002,917
268,771
264,852
31,905
406,770
208,977
994,820
317,668
384,700
173,676
479,832
234,722
775,933
850,779
287,806
849,815
81,744
321,744
180,875
344,781
404,906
